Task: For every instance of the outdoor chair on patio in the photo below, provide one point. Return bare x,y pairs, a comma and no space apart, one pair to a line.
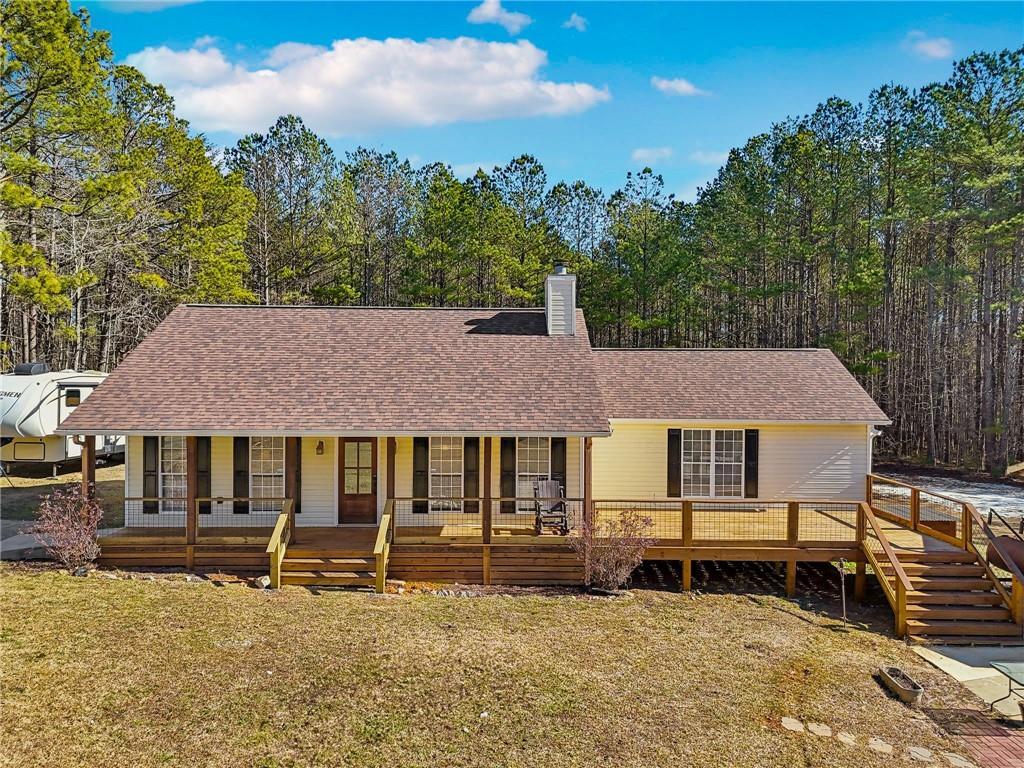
550,507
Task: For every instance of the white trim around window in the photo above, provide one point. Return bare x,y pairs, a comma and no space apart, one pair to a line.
712,463
445,478
172,471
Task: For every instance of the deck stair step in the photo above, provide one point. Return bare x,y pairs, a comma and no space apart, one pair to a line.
328,564
937,557
958,612
982,628
965,640
329,578
939,583
300,551
934,570
953,597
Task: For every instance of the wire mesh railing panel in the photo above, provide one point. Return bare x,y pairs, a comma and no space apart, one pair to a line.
439,517
739,521
143,512
831,521
891,498
941,514
223,512
666,517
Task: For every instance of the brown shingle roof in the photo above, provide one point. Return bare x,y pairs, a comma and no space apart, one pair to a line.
731,384
341,370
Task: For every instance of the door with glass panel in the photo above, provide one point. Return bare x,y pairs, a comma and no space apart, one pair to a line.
357,478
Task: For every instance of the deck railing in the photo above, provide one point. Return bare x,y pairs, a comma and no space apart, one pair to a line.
210,512
952,521
382,545
279,540
882,558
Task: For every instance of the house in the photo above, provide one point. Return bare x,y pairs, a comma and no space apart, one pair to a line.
346,444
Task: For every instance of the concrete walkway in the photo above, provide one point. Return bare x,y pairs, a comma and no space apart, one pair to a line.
970,666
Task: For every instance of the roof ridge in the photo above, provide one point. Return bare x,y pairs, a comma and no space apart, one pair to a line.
349,306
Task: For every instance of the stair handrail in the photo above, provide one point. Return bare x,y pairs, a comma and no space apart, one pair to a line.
382,546
278,544
1014,598
898,597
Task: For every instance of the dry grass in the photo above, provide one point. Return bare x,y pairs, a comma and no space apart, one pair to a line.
99,671
20,503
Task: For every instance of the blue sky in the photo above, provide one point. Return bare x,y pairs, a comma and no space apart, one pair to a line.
592,89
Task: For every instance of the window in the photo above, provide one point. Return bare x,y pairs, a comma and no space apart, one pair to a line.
358,466
445,473
72,398
172,473
533,462
266,472
712,462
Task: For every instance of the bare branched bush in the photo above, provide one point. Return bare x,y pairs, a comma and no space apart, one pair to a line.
611,549
67,525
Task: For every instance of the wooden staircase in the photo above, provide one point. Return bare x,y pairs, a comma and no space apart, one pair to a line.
331,568
953,600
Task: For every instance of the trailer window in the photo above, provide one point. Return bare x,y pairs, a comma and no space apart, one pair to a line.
72,397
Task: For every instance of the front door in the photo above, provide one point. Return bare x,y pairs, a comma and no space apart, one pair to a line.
357,476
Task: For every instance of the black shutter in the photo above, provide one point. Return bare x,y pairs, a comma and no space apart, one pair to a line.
675,463
558,463
150,474
203,460
420,473
750,445
508,473
241,475
471,473
293,471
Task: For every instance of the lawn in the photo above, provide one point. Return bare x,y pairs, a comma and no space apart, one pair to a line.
104,671
19,498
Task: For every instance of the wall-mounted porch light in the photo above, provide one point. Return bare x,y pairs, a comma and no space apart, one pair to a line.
319,447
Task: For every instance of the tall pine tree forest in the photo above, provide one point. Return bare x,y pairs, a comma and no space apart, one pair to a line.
891,232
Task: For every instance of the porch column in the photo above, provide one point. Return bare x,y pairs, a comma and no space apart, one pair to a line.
390,479
191,493
588,479
485,513
88,466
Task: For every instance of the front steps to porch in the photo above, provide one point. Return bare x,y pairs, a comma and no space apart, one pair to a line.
953,600
316,566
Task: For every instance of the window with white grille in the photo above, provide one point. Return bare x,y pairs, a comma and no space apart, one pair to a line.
533,463
712,462
173,480
266,473
445,473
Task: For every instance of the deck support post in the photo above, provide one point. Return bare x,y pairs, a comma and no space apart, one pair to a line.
588,479
686,580
790,578
792,523
88,466
915,508
860,581
486,510
191,494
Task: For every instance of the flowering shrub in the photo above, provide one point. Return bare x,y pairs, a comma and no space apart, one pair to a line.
67,525
612,549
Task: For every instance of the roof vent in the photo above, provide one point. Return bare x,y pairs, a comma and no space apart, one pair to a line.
31,369
560,302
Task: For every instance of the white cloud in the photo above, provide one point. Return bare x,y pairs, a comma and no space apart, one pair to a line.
468,170
677,86
491,12
204,41
708,157
575,21
928,47
173,69
650,154
358,85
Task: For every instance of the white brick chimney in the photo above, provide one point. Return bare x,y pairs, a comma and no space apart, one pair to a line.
560,302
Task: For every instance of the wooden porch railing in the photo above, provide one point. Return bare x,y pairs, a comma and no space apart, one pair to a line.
877,551
279,539
382,546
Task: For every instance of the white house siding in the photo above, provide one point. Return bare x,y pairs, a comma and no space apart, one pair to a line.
794,461
318,472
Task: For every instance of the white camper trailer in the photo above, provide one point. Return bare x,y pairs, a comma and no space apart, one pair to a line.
33,401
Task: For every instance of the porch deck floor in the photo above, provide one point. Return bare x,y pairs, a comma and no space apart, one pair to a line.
906,540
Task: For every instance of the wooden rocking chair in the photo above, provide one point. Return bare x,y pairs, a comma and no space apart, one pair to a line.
551,510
